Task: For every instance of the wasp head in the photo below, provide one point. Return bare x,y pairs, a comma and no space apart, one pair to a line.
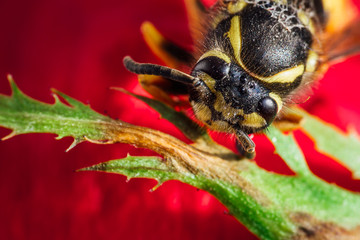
226,98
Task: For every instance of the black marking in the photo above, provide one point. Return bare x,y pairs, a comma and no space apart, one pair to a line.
268,47
216,115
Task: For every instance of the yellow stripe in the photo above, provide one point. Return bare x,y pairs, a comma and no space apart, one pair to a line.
278,100
209,81
202,112
286,76
221,126
216,53
234,35
253,120
236,7
312,61
220,105
284,2
304,18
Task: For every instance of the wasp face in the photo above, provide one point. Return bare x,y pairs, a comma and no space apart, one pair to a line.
226,97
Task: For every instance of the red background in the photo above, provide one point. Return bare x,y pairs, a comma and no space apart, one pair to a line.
77,46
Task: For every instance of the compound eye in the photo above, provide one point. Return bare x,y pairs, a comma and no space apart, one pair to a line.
213,66
267,108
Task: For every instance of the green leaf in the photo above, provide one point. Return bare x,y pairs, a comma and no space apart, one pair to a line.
305,192
331,141
135,167
23,114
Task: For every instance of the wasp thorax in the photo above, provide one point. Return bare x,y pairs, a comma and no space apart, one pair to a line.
226,97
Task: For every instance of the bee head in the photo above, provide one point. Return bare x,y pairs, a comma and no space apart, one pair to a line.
226,97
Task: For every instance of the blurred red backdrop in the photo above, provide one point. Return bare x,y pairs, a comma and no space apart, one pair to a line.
77,47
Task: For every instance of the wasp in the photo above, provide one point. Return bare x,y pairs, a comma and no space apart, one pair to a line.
253,58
